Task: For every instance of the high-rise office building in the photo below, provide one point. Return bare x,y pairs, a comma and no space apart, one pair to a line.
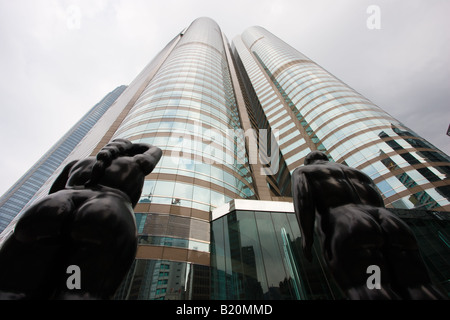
215,218
313,110
189,109
17,197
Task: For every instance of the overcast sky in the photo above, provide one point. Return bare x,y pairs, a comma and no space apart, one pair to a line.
59,58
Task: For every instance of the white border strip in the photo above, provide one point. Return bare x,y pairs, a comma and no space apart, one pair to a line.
252,205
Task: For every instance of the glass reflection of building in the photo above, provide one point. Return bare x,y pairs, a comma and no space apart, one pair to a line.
212,224
256,254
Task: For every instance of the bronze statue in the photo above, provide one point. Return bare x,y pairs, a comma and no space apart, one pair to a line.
356,232
87,221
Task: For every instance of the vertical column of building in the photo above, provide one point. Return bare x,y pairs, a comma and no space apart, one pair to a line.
332,117
251,130
188,110
263,98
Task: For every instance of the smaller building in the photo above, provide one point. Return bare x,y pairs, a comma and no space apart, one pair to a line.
256,252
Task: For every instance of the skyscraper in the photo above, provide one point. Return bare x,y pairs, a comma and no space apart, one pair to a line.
215,218
313,110
17,197
189,110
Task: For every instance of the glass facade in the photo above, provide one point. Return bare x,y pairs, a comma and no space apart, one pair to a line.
165,280
313,110
189,110
256,255
432,231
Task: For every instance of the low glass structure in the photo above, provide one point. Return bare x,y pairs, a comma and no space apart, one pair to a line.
256,253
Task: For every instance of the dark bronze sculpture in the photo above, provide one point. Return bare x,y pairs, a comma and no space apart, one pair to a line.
87,221
356,232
